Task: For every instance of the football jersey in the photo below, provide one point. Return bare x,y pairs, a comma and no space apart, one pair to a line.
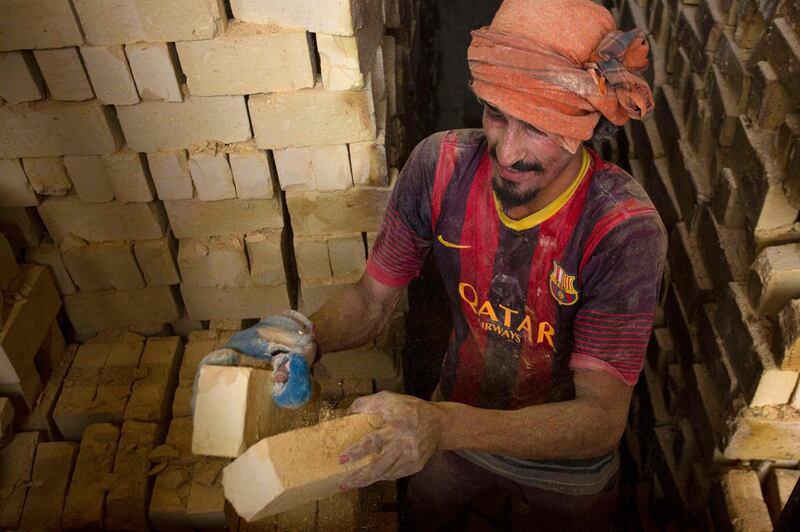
572,286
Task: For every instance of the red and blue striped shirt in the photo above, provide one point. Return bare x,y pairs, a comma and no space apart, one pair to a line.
573,286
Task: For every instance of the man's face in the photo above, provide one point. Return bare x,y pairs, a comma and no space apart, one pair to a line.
525,160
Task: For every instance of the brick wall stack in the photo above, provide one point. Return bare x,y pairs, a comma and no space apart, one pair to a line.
719,158
159,158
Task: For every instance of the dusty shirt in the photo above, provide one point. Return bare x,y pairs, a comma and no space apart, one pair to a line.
572,286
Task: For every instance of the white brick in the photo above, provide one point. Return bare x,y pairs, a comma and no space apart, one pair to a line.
212,303
101,266
155,69
47,175
90,177
181,20
218,261
15,190
774,388
336,17
64,73
266,251
170,172
331,167
129,175
312,117
341,69
20,80
197,219
54,128
230,404
156,259
789,328
50,255
346,61
154,126
38,24
316,168
293,166
142,310
105,23
289,469
98,222
379,94
774,278
110,74
744,501
211,174
313,260
368,161
130,21
252,172
347,255
224,65
356,210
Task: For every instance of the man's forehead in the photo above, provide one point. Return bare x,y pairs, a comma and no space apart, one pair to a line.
498,109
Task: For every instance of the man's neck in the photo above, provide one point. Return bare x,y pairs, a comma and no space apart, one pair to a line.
548,194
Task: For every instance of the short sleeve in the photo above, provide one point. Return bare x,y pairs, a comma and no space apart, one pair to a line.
405,238
621,281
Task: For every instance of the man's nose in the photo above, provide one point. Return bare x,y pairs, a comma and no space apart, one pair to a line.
511,147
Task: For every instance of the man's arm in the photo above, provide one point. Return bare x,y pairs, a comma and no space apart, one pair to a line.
588,426
354,316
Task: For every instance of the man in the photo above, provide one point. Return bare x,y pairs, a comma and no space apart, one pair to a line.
552,261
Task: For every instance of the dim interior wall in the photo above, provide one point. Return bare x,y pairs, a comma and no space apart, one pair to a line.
161,159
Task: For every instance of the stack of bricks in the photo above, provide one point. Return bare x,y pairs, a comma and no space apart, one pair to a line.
188,489
31,342
720,159
226,404
158,157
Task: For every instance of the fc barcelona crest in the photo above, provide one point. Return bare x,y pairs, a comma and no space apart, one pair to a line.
562,286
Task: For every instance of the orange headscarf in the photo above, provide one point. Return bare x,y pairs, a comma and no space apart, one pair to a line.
558,65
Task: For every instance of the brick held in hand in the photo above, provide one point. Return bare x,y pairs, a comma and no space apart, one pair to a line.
287,470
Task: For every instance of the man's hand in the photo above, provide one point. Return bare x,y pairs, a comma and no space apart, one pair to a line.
409,436
287,342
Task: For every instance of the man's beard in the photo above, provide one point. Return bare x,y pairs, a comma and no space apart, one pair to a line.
512,194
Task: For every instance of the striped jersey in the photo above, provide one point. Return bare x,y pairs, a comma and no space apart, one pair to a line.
572,286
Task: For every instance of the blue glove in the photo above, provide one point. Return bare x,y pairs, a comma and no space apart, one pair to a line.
285,340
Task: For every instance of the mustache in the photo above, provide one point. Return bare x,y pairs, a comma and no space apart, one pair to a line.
521,166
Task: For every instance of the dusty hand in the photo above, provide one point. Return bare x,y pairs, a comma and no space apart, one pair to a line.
287,342
409,436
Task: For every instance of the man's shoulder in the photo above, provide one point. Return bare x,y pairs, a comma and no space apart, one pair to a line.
613,190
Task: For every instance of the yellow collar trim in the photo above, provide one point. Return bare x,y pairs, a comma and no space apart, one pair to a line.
532,220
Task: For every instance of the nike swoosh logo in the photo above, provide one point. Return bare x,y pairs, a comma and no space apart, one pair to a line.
447,244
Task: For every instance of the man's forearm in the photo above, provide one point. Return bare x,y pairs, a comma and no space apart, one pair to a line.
588,426
351,318
564,430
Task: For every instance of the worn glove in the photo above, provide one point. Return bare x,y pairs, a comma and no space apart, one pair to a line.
287,341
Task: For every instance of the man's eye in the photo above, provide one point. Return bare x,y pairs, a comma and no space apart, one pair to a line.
494,113
533,130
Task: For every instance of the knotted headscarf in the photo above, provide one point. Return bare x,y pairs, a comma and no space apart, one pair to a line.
559,65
